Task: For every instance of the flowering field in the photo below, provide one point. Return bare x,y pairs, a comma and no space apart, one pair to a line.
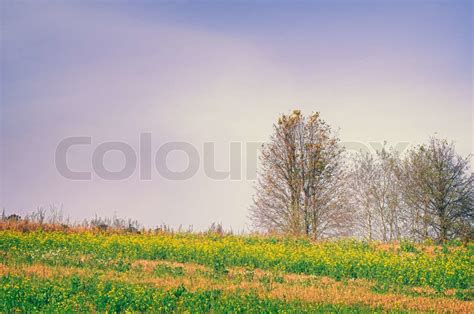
77,271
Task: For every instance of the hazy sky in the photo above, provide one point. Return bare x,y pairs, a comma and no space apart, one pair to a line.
215,72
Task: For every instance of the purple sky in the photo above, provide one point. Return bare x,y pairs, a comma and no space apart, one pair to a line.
215,72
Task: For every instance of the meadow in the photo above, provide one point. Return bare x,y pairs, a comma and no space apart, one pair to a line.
92,270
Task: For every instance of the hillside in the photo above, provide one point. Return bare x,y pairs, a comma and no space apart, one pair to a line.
105,271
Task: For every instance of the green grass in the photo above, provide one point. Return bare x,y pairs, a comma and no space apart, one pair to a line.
99,272
445,269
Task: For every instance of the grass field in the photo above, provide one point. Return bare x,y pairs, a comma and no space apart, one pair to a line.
99,271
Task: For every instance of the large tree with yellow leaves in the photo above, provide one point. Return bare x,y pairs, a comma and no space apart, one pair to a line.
301,183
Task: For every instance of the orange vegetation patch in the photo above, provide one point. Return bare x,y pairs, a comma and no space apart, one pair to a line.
144,265
352,295
393,246
426,290
3,269
38,270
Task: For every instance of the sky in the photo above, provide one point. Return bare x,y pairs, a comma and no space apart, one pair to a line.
214,72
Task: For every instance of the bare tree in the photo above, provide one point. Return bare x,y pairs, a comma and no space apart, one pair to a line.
55,214
301,186
375,194
40,215
438,187
416,215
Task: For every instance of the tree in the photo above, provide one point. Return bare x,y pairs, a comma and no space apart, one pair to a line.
375,194
301,186
361,181
415,202
438,188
